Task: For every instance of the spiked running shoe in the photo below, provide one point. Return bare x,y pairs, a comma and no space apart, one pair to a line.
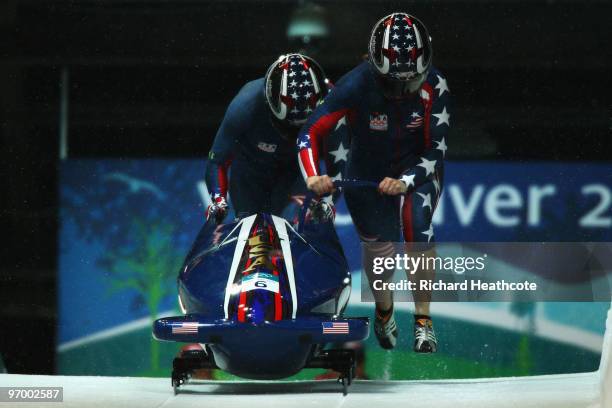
385,329
424,336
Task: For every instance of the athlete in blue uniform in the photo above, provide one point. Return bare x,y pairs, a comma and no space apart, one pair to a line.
257,139
398,110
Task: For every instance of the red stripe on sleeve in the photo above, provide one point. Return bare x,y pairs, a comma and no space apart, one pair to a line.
222,177
318,130
407,219
428,105
309,168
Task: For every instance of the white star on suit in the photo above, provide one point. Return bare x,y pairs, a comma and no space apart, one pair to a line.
442,85
340,153
408,179
302,145
337,177
341,122
443,117
395,36
428,165
442,146
429,233
426,200
436,184
293,83
294,95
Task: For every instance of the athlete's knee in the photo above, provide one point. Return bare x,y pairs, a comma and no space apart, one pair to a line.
374,255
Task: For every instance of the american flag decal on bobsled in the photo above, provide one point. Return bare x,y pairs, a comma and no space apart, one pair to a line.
335,327
185,328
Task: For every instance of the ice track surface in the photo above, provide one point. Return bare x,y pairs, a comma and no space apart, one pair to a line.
559,391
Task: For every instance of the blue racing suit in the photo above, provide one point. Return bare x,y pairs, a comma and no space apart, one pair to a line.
264,172
403,139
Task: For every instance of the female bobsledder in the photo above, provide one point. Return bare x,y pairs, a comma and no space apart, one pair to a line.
398,110
257,139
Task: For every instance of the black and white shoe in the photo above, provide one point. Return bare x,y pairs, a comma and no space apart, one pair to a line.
385,329
424,336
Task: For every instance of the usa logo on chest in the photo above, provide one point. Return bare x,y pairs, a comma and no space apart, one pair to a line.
378,121
416,121
267,147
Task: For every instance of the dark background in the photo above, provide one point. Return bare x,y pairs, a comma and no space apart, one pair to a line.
530,79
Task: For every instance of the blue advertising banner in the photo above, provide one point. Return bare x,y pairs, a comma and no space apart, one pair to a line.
126,226
526,202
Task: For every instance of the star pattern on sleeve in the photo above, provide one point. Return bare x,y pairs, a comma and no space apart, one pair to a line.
442,85
408,180
340,154
442,147
436,184
341,122
443,117
428,165
426,200
304,142
429,233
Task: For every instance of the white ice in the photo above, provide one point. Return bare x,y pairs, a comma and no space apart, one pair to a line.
558,391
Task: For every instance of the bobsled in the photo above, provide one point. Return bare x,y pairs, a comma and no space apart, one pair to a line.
265,298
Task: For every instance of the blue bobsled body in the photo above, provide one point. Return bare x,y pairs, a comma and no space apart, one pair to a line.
262,297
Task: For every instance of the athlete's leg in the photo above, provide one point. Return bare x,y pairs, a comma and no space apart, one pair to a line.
417,212
375,218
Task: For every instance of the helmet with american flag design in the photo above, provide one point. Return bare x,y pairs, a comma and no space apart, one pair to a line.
295,84
400,52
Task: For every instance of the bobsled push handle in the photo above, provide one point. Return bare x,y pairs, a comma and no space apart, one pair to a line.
338,184
355,183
